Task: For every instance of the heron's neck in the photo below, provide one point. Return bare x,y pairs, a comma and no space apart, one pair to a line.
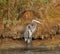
34,24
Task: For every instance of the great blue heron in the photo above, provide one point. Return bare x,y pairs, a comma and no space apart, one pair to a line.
30,30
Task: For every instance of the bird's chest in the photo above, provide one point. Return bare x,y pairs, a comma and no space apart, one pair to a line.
32,29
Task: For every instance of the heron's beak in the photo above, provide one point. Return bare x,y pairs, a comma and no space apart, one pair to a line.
36,21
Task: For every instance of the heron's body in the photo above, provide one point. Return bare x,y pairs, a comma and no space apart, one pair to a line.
29,31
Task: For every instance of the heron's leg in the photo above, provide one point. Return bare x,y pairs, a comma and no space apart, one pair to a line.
29,42
29,39
26,40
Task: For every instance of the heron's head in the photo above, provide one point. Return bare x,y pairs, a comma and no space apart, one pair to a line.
36,21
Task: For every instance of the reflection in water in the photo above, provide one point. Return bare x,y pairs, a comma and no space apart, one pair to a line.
28,52
19,51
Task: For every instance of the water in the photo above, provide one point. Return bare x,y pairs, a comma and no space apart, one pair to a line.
28,52
19,51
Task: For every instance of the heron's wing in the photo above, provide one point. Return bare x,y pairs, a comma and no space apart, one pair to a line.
30,33
26,33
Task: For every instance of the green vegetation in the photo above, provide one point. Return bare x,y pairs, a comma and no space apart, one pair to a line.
11,9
